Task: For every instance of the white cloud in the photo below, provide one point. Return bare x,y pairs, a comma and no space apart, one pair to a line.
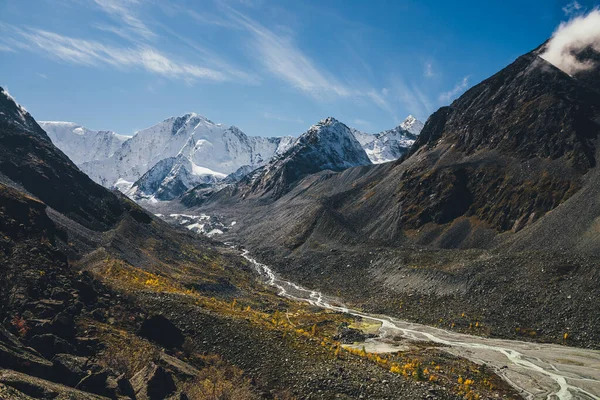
123,10
572,8
570,37
456,90
43,76
94,54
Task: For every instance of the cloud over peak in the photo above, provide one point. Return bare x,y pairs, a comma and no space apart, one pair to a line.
572,37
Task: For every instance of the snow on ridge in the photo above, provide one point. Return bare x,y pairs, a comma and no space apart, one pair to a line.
389,145
81,144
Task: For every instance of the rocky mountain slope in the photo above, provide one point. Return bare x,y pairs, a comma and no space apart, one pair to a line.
459,220
99,299
81,144
392,144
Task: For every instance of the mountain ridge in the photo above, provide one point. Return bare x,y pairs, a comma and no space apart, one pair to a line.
195,150
327,145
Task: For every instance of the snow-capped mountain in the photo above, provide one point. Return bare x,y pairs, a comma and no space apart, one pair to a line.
327,145
165,160
391,144
412,125
81,144
172,177
178,153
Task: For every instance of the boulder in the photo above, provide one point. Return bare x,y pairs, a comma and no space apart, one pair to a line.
153,383
87,292
120,386
80,372
177,367
25,385
88,346
69,369
159,329
18,357
50,345
63,325
8,392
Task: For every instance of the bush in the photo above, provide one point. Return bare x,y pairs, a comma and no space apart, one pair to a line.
219,381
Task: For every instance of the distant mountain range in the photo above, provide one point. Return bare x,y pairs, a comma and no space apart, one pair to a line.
164,161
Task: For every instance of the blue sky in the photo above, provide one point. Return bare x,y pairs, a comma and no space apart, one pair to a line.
268,67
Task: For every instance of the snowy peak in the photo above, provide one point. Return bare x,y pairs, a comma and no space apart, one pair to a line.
180,152
327,145
336,142
327,122
391,144
412,125
81,144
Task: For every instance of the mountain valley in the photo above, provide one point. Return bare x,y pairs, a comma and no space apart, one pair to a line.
102,300
451,259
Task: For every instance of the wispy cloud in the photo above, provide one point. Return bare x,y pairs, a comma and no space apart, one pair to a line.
215,61
282,118
43,76
456,90
379,98
208,18
5,48
123,10
280,56
116,30
95,54
412,97
573,36
572,8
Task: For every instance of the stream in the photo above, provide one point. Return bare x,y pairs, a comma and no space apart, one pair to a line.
536,370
